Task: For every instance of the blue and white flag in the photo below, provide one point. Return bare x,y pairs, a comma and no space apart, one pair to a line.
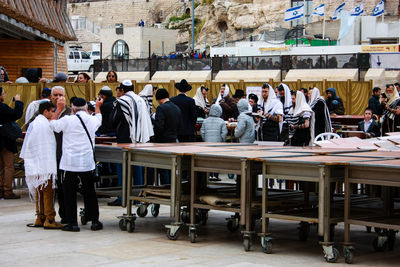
379,9
294,13
358,10
319,10
339,9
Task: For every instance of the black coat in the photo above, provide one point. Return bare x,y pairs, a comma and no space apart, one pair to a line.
188,110
374,129
319,111
375,105
167,123
8,114
106,109
122,130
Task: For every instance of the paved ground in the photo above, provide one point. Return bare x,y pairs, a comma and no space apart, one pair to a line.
149,246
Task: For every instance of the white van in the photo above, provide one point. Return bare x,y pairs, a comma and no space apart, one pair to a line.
79,61
94,55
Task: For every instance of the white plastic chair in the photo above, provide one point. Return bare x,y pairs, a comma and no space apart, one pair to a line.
325,137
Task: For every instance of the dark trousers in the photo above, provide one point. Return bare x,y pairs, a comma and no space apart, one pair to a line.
70,185
60,196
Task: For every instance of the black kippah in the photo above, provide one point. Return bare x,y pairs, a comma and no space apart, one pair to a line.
79,102
161,94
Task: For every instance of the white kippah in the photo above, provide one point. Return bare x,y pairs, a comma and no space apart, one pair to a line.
127,82
106,88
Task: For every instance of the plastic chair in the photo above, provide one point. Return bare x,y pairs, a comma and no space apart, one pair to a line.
326,136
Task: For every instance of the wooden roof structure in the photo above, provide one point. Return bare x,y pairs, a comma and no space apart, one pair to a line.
36,19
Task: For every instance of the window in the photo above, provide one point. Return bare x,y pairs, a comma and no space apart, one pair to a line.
85,55
71,55
120,50
308,10
76,55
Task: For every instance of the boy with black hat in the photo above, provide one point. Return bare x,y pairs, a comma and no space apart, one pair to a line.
188,109
77,160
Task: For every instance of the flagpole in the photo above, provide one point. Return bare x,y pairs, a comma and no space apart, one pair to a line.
304,18
323,26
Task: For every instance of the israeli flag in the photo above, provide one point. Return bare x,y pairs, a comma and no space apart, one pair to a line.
358,10
294,13
319,10
379,9
339,9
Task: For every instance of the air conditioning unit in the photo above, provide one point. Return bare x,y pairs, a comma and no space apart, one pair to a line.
119,28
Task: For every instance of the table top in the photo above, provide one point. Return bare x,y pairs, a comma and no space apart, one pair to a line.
251,154
387,163
374,154
319,160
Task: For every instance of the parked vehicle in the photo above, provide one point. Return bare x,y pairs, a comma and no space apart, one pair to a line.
79,61
94,55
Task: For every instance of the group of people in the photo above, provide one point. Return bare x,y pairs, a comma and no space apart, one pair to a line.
58,148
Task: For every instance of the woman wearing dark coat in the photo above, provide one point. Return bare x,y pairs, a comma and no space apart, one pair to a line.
8,146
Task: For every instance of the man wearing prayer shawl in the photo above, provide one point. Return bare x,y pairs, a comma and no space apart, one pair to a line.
272,110
321,112
202,103
39,154
286,99
304,122
130,116
147,95
227,103
391,115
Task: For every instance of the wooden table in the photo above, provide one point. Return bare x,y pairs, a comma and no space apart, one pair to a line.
320,169
384,173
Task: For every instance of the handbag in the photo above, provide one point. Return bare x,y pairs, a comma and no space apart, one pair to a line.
11,130
96,175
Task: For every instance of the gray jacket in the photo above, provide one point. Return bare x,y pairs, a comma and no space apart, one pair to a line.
214,128
245,130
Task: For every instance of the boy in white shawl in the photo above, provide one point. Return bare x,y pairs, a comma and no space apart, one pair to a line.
39,154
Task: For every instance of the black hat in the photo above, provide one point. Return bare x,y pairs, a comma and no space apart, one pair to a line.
239,93
79,102
161,94
183,86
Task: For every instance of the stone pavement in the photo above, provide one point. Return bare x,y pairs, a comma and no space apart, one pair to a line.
149,246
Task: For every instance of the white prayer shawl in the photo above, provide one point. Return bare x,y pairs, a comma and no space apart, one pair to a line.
199,99
147,95
142,129
288,99
32,108
226,93
39,154
273,105
315,98
302,107
394,98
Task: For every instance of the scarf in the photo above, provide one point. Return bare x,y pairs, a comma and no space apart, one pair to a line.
302,107
273,105
32,108
39,154
147,95
226,93
288,99
315,98
199,99
137,116
394,98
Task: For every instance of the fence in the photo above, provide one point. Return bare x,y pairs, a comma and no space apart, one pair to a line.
354,94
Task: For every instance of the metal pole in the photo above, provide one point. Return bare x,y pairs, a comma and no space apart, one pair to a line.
304,18
193,25
323,27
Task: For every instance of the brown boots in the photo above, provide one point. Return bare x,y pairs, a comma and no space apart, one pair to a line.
45,208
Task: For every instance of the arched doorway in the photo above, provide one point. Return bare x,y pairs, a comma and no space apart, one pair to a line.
120,50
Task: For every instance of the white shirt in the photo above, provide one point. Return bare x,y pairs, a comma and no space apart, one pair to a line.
77,153
366,125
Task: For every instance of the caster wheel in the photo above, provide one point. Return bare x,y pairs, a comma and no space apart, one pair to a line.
185,216
246,243
368,228
192,236
335,256
232,226
155,210
348,255
231,176
122,225
267,247
83,220
304,231
379,246
170,236
130,226
141,211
